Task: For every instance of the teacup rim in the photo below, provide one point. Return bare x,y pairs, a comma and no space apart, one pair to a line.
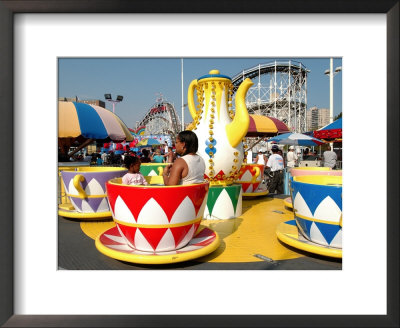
334,177
112,182
92,170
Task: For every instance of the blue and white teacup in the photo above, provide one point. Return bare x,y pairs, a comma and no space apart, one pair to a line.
317,207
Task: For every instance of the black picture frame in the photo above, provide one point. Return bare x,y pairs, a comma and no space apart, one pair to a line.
7,11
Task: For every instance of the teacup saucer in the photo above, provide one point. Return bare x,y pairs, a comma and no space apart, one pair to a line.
288,202
288,233
67,210
258,192
111,244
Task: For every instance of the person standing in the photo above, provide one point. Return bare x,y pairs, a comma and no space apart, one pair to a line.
275,163
262,160
249,156
291,157
104,157
329,158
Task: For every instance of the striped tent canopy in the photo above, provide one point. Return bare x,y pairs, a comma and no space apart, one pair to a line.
298,139
80,122
265,126
330,132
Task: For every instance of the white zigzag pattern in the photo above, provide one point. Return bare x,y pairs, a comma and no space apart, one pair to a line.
184,212
337,240
239,205
201,212
94,188
328,210
152,213
122,212
316,235
167,242
187,238
301,206
141,242
246,176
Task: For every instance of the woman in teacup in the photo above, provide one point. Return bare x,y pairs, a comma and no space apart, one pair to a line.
190,167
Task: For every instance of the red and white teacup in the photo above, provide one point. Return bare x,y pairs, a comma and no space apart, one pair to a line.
157,218
250,177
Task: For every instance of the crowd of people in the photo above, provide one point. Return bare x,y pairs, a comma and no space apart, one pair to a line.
159,154
275,161
185,166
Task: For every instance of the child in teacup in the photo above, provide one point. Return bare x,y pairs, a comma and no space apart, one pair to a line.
133,177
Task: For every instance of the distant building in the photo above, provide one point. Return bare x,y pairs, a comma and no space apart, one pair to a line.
317,118
323,117
95,102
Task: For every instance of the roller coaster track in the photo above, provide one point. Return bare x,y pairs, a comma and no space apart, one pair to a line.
161,119
280,91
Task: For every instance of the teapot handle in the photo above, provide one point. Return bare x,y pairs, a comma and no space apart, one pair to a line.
256,175
77,179
192,107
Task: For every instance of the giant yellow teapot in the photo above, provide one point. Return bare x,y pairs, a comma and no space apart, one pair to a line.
219,130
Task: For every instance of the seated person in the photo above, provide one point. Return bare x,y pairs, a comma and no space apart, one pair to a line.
190,167
307,156
145,156
133,177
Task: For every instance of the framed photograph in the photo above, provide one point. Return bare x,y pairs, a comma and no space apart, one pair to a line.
35,292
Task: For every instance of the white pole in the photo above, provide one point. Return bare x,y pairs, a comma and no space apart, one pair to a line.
331,93
290,88
183,105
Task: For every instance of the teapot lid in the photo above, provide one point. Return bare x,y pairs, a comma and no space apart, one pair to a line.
214,74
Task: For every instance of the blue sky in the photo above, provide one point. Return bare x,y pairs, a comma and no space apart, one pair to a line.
141,80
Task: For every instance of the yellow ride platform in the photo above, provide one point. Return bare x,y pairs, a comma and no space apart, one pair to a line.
256,193
288,202
250,237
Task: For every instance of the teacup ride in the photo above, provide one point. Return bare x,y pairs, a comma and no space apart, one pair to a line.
152,172
85,188
317,208
157,224
250,179
220,133
307,170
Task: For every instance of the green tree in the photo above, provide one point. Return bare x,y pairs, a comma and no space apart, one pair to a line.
338,116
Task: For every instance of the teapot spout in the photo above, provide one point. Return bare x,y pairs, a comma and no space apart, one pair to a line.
237,129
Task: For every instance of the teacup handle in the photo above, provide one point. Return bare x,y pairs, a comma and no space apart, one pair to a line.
255,176
160,170
77,179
